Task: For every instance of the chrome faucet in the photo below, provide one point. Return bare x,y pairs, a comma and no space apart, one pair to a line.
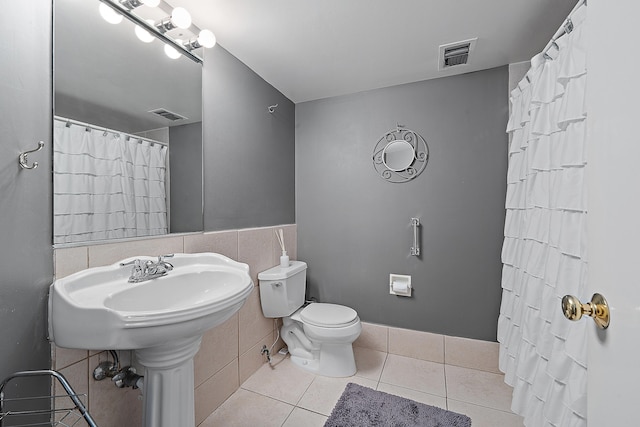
147,270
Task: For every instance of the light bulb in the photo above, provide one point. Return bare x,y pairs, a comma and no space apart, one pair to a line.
207,39
143,34
181,18
109,15
150,3
171,52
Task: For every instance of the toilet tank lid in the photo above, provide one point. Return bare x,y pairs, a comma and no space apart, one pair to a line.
280,273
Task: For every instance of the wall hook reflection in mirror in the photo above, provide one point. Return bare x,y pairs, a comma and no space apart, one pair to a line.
22,158
272,108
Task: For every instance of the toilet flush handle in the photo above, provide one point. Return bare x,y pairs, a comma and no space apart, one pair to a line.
276,284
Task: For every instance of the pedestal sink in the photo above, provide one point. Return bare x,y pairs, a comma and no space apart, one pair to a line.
162,319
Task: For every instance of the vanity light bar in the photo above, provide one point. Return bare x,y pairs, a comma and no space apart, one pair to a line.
121,7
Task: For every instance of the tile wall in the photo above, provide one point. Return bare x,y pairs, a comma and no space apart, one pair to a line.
462,352
230,353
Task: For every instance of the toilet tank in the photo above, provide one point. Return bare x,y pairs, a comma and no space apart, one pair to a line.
282,289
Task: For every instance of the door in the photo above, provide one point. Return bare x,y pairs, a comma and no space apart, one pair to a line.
613,95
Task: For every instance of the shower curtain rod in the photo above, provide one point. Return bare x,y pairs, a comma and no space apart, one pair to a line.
103,129
565,28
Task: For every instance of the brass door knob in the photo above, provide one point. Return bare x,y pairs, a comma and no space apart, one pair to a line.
597,308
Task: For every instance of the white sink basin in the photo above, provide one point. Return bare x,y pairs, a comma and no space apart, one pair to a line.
162,319
99,309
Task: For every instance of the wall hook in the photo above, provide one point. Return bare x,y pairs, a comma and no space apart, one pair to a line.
22,158
272,108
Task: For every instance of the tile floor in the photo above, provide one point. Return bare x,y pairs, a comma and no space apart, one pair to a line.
286,396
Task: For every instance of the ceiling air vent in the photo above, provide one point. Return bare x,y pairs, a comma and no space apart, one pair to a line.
168,114
455,54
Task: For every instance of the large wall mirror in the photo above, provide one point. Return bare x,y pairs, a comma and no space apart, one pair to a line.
127,132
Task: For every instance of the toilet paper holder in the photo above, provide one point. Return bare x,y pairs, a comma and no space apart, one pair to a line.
400,284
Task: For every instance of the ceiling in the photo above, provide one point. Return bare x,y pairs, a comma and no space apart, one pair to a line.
317,49
110,79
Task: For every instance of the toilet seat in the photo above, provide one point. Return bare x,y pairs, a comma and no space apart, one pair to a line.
328,315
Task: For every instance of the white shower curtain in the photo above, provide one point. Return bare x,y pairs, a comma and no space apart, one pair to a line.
542,354
106,185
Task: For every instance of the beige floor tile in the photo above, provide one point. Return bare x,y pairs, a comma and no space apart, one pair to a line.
303,418
245,408
485,417
478,387
475,354
284,381
420,375
369,362
324,392
418,396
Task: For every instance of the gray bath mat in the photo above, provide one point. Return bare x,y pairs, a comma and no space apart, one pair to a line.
361,406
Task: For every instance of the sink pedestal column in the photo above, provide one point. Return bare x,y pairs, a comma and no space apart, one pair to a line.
168,383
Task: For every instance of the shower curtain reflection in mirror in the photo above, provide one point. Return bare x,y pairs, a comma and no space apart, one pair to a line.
107,184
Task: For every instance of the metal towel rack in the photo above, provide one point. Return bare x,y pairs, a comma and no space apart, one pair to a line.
61,414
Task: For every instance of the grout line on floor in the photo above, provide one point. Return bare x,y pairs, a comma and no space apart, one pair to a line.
306,389
289,415
482,406
376,386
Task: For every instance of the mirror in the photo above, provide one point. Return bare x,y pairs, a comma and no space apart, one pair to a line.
398,155
107,85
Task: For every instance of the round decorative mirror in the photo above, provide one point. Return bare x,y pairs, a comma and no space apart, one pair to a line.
400,155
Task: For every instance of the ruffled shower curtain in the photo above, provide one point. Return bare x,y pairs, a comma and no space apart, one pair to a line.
544,255
106,185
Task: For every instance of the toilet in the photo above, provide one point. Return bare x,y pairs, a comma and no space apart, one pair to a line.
319,336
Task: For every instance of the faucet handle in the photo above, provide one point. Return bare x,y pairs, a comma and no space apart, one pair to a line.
162,257
135,263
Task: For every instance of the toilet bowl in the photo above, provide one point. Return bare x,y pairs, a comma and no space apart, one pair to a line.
319,336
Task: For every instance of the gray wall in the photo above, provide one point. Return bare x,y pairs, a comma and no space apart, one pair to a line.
26,255
185,157
353,227
249,172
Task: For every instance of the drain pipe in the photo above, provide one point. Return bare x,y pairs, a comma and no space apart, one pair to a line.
121,377
127,377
